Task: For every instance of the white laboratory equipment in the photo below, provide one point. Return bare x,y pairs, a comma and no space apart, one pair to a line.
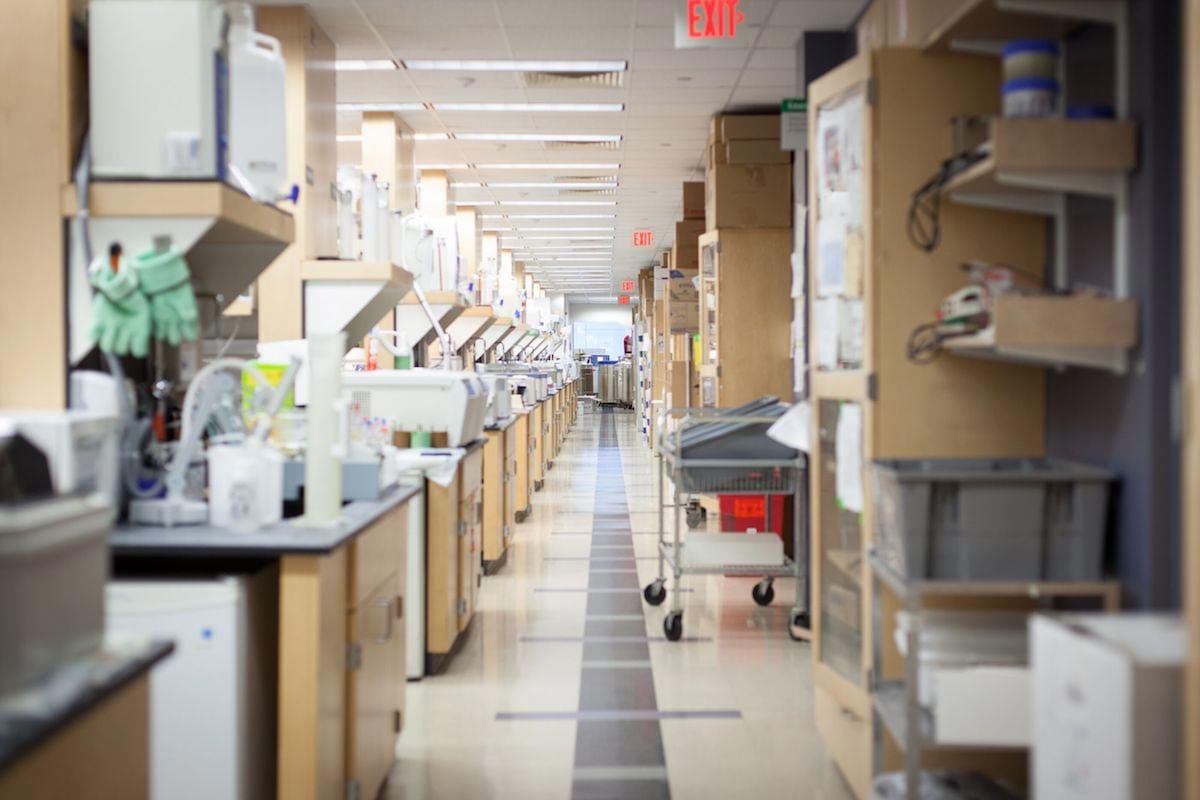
499,405
169,121
432,400
257,117
245,486
81,446
212,703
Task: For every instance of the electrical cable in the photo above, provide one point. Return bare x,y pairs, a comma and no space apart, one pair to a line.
924,213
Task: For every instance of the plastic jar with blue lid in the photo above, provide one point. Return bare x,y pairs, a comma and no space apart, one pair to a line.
1030,58
1030,97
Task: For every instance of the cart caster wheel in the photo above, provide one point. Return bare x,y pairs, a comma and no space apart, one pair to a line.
695,517
799,626
655,593
763,593
673,626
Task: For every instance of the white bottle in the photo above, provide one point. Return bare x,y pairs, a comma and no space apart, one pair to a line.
257,115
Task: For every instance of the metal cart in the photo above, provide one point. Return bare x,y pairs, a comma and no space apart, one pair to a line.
726,451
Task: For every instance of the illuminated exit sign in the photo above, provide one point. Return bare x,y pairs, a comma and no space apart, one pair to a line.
713,19
626,286
643,238
623,299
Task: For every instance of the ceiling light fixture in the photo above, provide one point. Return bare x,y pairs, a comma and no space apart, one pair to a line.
548,216
546,185
353,137
563,238
512,65
534,108
364,64
581,138
431,137
575,203
555,167
380,106
564,229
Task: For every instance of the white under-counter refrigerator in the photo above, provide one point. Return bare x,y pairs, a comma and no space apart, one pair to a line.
213,702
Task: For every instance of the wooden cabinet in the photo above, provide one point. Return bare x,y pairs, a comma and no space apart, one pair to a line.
537,459
470,542
499,478
522,481
745,316
869,401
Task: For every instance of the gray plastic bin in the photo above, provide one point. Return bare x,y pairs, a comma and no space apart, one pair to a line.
991,519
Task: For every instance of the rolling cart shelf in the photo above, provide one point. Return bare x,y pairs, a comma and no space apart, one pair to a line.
889,701
983,26
905,588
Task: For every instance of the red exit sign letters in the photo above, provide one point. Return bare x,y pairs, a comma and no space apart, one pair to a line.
713,19
643,238
626,286
623,299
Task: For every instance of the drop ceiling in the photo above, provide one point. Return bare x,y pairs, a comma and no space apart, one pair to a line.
668,97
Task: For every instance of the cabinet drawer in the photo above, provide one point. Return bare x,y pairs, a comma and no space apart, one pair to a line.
847,737
378,552
375,687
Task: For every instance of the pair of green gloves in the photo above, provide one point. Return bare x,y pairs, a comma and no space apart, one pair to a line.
151,296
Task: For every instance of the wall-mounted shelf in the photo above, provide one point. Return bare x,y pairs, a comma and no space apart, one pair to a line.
228,238
470,325
241,307
412,320
351,296
1058,332
501,329
983,26
1032,161
518,341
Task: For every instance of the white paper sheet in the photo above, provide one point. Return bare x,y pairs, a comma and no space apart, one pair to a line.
849,457
825,332
850,331
792,429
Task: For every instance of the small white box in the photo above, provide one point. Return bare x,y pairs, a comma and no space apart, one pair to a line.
1107,697
987,706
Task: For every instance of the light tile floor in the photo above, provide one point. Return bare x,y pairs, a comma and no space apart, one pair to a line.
454,747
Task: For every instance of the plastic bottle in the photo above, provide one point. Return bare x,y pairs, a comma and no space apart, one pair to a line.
257,115
404,358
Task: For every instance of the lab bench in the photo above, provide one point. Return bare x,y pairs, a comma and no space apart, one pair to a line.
499,492
85,731
341,631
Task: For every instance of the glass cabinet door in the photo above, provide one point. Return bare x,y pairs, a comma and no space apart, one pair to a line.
840,550
709,352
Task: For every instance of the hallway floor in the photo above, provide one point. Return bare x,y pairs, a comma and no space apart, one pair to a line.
566,686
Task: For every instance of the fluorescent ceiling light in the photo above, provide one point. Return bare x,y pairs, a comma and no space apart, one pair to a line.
431,137
563,167
565,229
496,230
380,106
586,138
509,65
572,257
466,185
576,203
532,107
426,167
363,64
562,238
353,137
548,216
537,185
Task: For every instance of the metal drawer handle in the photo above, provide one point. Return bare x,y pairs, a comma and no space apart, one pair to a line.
386,605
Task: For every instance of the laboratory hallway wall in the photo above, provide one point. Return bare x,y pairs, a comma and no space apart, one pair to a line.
566,686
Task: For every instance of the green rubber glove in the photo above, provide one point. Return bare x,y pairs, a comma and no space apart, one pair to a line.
166,283
120,314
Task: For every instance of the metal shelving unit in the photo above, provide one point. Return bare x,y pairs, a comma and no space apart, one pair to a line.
895,703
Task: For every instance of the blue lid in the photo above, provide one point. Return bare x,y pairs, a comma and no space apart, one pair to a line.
1030,46
1025,84
1091,112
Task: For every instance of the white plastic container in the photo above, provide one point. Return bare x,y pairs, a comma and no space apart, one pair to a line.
1030,58
1031,97
257,115
245,487
53,567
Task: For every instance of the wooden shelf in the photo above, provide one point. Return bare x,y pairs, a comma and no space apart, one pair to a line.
351,296
228,238
241,307
985,25
847,562
1031,161
1059,332
411,318
840,384
501,329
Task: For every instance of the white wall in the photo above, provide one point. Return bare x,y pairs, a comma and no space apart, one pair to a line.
601,312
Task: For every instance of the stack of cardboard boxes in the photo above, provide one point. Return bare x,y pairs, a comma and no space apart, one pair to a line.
683,299
745,263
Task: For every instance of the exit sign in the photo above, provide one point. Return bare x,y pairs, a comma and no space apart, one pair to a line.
713,19
643,238
626,286
623,299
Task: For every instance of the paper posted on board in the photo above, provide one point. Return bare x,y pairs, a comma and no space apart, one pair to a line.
849,457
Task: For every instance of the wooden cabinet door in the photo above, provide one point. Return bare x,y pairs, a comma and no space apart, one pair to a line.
494,489
374,686
441,567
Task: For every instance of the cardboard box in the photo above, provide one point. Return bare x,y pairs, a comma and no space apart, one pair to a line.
680,390
693,200
872,29
755,126
748,196
756,151
686,253
1107,705
987,706
683,307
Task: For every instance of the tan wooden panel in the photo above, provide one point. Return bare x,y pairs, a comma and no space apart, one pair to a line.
312,676
103,755
36,158
471,470
537,424
388,151
494,490
1191,411
376,553
441,566
469,562
524,452
754,315
847,736
371,690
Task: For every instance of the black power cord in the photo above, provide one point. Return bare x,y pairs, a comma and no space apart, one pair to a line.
924,214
